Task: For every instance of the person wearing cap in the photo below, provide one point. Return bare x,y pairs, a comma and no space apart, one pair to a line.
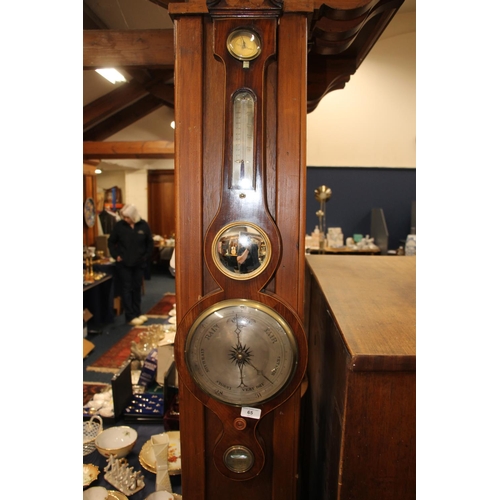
131,245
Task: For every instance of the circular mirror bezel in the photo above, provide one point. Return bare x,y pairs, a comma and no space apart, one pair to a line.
227,230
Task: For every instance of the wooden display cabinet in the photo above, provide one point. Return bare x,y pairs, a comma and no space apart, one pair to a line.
359,414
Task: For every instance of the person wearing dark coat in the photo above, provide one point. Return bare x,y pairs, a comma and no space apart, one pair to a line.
248,258
131,245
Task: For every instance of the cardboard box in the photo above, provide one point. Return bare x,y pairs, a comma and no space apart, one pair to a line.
87,347
86,316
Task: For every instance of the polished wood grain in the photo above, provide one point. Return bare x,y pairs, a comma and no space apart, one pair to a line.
290,157
359,420
189,232
205,205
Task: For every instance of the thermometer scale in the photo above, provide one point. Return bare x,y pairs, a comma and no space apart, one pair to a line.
243,176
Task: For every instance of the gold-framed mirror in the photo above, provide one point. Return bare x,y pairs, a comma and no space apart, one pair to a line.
241,250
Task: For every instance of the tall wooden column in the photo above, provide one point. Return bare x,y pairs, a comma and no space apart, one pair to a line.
205,80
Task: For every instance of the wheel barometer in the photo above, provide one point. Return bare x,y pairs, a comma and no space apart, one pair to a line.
241,352
240,345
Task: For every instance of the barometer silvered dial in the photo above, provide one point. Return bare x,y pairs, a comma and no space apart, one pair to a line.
241,352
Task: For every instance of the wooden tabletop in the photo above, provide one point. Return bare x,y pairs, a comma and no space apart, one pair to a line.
372,299
345,250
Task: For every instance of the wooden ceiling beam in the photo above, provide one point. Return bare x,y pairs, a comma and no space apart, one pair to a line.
112,102
125,95
164,92
122,119
340,35
128,49
125,150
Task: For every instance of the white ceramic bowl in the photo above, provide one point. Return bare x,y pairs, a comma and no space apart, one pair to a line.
160,495
95,493
117,441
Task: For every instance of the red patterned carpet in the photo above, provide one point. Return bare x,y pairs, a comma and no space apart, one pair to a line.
163,307
112,360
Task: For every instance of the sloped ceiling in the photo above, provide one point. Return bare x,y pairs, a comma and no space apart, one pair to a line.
142,108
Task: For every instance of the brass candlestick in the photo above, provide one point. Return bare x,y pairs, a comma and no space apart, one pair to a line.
89,269
89,274
322,194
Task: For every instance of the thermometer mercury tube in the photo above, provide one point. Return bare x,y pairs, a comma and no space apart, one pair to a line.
243,141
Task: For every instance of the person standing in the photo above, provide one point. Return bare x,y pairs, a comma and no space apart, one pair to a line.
131,245
248,257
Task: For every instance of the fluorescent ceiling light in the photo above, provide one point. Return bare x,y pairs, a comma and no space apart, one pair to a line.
98,171
111,75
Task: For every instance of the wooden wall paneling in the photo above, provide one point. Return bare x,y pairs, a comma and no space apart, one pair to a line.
161,202
213,139
89,191
189,226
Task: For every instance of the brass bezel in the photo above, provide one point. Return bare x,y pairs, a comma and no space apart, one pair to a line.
266,310
234,275
243,31
239,470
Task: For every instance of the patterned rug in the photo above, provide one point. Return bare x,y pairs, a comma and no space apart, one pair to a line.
163,307
113,358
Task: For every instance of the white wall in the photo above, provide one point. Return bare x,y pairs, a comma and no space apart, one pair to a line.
134,186
372,121
136,191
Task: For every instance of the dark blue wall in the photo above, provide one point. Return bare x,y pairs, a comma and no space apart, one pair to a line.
355,191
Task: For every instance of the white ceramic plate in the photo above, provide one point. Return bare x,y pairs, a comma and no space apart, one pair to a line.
147,456
95,493
89,212
160,495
